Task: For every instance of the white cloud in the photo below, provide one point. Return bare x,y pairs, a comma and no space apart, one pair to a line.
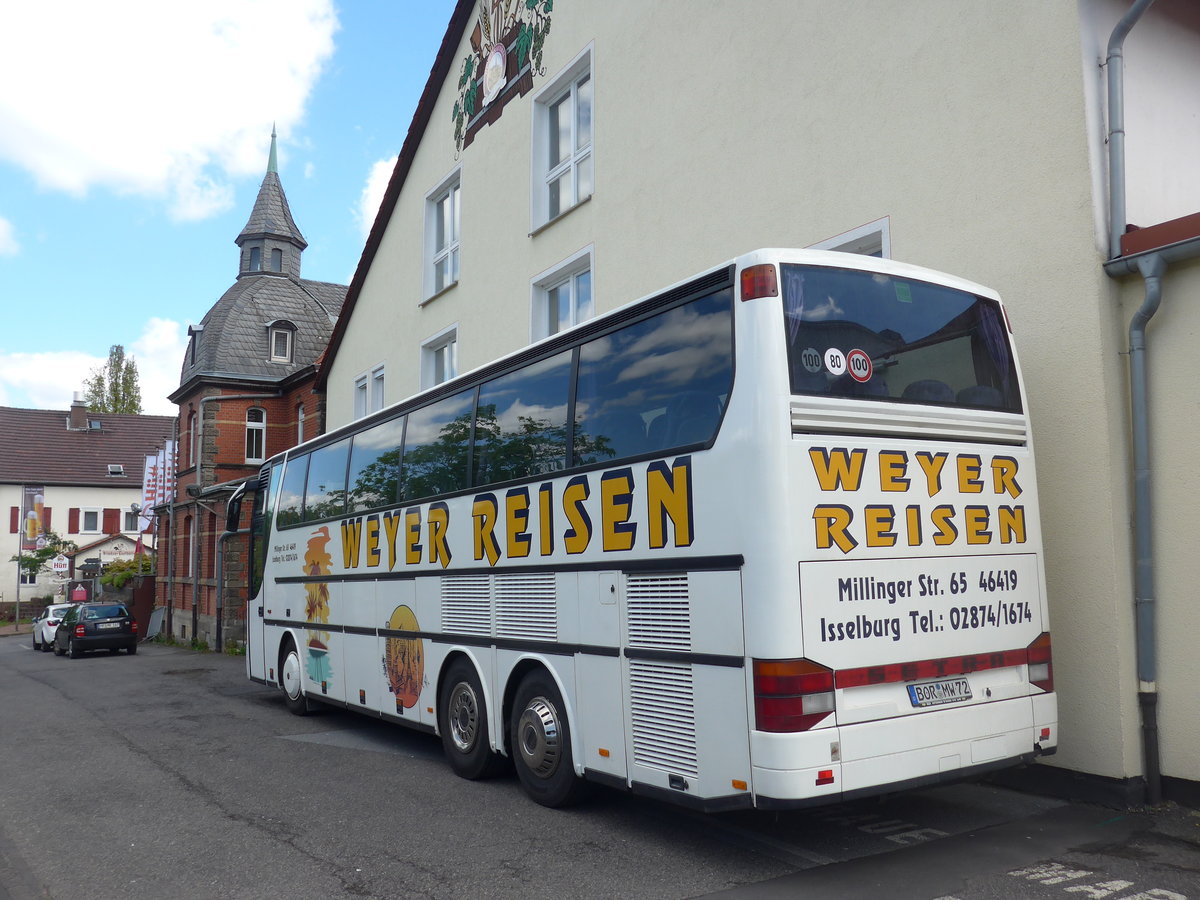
159,355
372,194
8,239
156,99
50,380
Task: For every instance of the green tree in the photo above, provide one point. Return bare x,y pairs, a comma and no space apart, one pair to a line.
34,562
113,388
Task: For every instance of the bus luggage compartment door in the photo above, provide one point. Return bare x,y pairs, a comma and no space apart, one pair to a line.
683,672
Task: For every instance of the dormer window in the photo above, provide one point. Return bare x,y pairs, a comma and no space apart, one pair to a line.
115,470
280,335
255,259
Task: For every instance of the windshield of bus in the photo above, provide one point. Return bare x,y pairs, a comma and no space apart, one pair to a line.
879,337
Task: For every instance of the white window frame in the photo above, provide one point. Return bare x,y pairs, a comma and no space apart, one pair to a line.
579,161
83,514
450,187
130,521
369,391
261,428
286,334
564,273
28,579
299,423
433,357
871,239
192,448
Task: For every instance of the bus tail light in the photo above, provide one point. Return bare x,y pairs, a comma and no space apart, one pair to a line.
1041,665
791,694
759,281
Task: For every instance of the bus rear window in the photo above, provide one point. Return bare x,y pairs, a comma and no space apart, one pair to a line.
878,337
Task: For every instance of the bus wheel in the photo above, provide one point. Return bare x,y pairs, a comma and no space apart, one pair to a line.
541,740
291,674
464,723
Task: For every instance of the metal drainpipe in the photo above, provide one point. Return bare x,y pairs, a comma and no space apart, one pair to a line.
1116,126
1151,267
200,484
172,535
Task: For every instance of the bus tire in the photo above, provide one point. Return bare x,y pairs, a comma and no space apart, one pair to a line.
464,723
291,679
541,743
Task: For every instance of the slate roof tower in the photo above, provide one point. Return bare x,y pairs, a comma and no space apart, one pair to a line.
245,393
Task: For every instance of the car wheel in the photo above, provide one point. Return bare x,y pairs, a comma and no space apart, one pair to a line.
57,651
73,651
131,649
541,743
464,724
291,674
36,643
47,646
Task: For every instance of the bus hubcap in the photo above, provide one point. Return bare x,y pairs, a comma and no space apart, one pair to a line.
538,737
464,716
291,675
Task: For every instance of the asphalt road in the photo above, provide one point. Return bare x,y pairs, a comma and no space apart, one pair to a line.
169,775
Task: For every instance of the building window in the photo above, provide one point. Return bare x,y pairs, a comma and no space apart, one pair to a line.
26,578
281,345
255,259
442,220
360,396
439,357
368,392
131,522
256,434
277,260
872,239
191,432
562,135
189,543
89,521
300,423
377,389
562,295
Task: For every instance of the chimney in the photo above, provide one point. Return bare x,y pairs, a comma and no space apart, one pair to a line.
79,414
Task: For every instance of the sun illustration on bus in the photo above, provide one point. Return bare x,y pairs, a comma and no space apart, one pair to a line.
404,660
317,561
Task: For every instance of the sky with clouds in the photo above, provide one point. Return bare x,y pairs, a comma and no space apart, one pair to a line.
134,135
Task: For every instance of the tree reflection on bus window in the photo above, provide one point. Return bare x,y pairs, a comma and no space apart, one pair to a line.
436,447
521,422
656,384
375,466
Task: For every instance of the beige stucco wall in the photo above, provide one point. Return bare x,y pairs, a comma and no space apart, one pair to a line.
720,128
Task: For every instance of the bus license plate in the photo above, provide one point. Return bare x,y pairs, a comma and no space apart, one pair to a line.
939,693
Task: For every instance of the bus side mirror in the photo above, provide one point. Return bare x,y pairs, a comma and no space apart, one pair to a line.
233,509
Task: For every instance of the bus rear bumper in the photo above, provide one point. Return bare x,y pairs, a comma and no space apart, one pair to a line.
901,753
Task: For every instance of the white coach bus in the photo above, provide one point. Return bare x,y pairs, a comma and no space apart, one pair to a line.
768,538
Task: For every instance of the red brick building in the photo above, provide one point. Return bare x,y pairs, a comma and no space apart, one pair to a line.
245,393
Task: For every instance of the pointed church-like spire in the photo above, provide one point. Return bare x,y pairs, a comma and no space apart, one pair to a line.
270,242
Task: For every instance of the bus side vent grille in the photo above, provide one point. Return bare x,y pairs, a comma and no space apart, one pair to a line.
659,613
467,604
526,607
663,712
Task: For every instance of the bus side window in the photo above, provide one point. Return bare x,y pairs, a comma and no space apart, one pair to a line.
291,492
436,444
521,422
375,466
325,487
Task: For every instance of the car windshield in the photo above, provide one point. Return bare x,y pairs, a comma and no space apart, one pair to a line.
104,612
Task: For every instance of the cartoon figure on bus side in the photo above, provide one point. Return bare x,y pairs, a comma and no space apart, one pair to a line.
317,561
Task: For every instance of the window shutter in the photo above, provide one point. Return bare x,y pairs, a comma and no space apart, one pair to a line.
46,518
73,520
112,521
14,519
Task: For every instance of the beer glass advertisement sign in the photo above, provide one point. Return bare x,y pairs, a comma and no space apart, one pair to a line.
33,530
